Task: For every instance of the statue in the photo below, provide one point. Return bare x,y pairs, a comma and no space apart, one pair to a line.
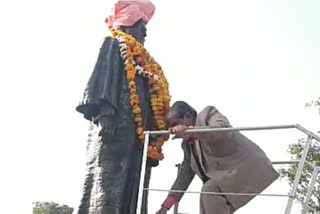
126,94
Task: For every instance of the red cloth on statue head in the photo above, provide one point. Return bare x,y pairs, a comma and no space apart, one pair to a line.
128,12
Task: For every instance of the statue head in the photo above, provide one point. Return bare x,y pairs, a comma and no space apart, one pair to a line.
138,30
131,16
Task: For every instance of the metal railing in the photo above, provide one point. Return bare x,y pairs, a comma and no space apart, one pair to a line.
291,196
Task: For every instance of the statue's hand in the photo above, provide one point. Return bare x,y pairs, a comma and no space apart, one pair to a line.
162,210
107,125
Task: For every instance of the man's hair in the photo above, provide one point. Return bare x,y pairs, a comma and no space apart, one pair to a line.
179,109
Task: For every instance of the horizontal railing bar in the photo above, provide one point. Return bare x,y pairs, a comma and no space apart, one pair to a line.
285,162
219,193
306,131
292,162
213,129
295,162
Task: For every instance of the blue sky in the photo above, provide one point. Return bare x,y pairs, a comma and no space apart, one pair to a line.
256,61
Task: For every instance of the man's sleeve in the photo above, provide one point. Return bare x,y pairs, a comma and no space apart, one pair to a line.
183,180
215,119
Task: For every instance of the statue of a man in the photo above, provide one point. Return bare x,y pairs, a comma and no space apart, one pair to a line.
126,94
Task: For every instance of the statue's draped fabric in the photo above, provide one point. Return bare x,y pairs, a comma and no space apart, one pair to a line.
114,153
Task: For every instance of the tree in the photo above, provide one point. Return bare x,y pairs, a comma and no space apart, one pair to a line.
51,208
314,103
313,157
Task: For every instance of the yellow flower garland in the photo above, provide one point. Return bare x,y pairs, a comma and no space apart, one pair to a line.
136,54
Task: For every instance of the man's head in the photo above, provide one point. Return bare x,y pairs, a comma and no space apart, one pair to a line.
181,113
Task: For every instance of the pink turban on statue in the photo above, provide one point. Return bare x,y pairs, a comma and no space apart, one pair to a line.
128,12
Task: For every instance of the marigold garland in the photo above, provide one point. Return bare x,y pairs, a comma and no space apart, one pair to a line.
139,62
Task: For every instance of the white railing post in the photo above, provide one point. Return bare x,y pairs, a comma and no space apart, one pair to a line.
310,189
142,172
298,175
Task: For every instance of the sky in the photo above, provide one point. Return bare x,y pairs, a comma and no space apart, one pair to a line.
257,61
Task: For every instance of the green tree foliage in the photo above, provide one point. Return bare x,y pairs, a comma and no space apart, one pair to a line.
314,103
51,208
313,157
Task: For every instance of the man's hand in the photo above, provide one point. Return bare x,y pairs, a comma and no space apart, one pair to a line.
178,131
162,210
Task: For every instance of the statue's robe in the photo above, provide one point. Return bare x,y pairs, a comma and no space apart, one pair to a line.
114,152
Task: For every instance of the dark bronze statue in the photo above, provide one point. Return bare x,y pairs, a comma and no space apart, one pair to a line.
114,155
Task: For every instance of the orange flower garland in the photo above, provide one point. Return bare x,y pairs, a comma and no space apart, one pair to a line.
139,62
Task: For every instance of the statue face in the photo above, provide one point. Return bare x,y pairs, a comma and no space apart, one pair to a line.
138,31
